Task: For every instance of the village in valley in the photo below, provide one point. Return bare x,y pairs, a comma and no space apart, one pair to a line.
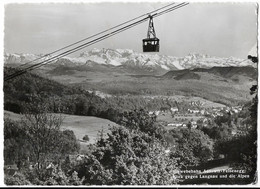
192,114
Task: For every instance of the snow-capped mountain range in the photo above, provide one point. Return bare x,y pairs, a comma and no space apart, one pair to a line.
130,58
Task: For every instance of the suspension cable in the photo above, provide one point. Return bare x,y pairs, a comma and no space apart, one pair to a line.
35,66
48,54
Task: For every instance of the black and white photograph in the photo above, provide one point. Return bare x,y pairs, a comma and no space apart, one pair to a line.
121,93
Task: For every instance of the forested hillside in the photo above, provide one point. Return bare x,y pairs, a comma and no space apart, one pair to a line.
30,88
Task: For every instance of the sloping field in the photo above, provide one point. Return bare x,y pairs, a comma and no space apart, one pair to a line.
86,125
80,125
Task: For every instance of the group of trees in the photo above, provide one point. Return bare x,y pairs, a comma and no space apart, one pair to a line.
238,148
128,157
138,152
192,147
34,143
242,149
30,88
220,128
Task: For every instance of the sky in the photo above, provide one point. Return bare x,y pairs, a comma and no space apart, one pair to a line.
217,29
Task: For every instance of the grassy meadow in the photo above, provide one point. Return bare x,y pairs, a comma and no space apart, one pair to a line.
80,125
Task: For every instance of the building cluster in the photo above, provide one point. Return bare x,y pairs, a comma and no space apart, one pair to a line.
193,116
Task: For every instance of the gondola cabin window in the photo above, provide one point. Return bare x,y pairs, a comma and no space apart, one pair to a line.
151,45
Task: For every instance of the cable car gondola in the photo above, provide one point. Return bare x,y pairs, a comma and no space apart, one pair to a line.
151,43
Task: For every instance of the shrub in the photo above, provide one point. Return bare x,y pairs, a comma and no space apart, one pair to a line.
86,138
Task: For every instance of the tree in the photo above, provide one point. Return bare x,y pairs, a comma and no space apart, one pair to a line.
128,157
189,125
86,138
16,147
200,124
58,177
69,145
221,132
192,147
141,120
17,179
92,111
44,136
226,118
80,107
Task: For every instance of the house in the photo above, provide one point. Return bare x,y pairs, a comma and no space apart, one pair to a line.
167,151
219,114
157,113
174,109
76,158
235,110
151,113
193,124
154,112
174,124
193,111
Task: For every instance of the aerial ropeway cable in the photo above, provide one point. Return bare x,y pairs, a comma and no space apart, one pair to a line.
90,43
93,41
47,55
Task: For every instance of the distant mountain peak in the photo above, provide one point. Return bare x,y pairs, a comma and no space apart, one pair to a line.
130,58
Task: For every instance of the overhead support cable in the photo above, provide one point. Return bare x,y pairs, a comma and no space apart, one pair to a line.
95,35
98,39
